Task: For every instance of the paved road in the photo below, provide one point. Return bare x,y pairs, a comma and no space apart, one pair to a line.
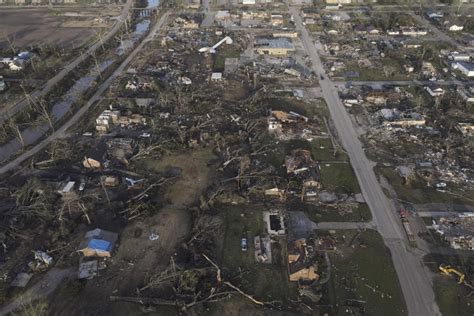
209,15
8,112
345,225
414,278
378,84
51,280
438,33
61,132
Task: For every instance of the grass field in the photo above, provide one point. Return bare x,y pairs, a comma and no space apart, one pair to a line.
224,52
265,281
323,150
364,274
417,192
451,297
327,214
339,177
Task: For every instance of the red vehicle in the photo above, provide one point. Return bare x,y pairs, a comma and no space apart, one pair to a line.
402,213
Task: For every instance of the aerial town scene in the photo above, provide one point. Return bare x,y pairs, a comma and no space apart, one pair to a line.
237,157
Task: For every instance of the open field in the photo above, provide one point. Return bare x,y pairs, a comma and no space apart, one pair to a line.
453,298
417,192
26,28
266,281
363,276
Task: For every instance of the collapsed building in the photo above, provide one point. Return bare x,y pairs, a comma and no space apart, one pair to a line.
109,118
458,231
291,125
302,265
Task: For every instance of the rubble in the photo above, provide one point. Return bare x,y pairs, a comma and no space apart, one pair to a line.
458,231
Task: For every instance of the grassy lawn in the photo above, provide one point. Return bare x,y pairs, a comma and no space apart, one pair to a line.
374,73
314,28
357,271
417,192
452,297
323,150
265,281
339,177
331,214
222,54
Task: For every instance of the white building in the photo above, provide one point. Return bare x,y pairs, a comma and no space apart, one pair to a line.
216,76
435,91
455,28
455,56
466,68
467,94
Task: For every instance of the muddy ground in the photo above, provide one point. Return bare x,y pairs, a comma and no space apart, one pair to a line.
33,27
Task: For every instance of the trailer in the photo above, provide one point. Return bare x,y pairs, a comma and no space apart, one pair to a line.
409,232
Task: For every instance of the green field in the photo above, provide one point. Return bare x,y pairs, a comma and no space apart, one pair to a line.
363,272
326,214
417,192
452,297
339,177
323,150
265,281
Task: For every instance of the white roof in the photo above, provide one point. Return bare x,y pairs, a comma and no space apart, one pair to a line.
68,187
216,76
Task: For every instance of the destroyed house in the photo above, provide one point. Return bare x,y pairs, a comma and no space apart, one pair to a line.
95,157
458,231
98,243
310,190
120,148
466,128
300,163
291,125
301,267
377,97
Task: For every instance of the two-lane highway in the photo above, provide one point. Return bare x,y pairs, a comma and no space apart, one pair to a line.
413,276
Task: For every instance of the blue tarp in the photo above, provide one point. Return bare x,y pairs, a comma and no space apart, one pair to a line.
99,244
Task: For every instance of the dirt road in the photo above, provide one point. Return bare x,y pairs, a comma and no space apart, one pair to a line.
8,112
414,278
61,132
51,280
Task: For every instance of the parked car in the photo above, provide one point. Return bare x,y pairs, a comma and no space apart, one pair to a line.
243,244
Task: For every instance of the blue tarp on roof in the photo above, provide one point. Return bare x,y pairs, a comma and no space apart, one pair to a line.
99,244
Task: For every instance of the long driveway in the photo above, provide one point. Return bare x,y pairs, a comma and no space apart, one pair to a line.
414,278
10,111
61,132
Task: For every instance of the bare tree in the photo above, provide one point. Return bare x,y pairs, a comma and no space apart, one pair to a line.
16,129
